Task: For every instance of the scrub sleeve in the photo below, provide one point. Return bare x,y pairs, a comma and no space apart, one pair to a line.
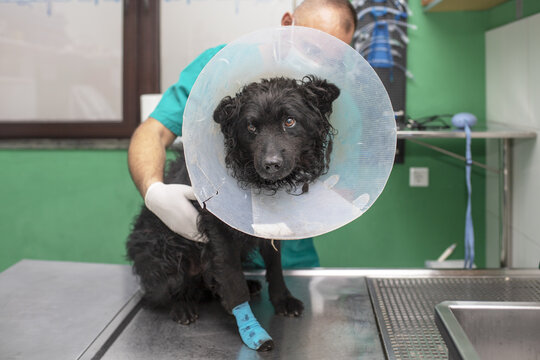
170,111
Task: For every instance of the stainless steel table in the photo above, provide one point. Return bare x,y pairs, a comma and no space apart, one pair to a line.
55,310
63,310
58,310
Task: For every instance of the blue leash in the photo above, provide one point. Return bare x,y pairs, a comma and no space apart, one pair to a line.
465,121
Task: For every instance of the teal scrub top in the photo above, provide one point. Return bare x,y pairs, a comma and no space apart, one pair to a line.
170,112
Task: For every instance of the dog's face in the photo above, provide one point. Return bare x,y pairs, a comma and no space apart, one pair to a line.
277,132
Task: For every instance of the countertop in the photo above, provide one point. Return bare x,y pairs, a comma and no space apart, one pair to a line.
64,310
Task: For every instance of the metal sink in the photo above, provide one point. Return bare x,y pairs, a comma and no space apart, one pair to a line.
490,330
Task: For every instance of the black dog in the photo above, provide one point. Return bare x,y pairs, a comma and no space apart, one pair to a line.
277,135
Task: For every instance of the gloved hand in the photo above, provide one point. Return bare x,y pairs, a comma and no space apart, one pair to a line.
171,203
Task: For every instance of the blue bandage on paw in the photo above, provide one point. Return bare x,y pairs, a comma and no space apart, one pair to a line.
251,332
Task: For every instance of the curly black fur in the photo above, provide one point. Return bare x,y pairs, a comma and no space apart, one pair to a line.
262,151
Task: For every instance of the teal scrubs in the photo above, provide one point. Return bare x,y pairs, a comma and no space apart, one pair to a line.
170,111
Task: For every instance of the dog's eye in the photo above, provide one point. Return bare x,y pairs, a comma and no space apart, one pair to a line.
289,123
251,128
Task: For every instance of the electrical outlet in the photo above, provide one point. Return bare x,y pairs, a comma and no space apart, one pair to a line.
419,177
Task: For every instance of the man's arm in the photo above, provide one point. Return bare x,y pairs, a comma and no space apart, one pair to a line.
172,203
146,154
146,161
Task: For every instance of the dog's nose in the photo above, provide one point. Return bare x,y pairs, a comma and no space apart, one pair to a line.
273,163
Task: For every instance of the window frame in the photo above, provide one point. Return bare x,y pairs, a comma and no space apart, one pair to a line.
140,75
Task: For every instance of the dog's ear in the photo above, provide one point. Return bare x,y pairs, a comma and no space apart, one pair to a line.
321,92
226,111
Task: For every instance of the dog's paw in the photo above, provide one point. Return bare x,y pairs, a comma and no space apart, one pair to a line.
251,332
254,287
184,313
289,306
266,346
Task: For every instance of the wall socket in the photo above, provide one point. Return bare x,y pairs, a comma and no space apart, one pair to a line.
419,177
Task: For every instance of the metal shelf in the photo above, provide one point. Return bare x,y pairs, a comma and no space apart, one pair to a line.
459,5
493,131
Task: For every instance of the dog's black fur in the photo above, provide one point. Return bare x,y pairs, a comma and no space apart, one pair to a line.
277,135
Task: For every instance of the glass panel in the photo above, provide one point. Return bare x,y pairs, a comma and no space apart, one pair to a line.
61,60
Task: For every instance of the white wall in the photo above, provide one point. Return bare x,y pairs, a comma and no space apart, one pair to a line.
513,98
190,27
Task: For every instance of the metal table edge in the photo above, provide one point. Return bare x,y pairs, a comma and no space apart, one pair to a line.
97,348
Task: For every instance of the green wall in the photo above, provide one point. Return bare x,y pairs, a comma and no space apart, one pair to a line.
409,225
78,205
506,12
65,205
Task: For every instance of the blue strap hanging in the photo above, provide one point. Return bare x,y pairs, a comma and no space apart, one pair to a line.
380,49
465,121
469,230
380,54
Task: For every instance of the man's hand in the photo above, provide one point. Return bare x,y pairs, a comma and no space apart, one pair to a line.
171,203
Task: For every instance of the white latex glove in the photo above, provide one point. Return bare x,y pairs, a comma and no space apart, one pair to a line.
171,203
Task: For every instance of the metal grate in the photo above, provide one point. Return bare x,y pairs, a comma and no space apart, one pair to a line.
405,308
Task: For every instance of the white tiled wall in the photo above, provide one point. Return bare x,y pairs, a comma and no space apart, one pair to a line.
513,98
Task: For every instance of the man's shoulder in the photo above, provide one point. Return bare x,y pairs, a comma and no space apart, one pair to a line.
194,68
209,53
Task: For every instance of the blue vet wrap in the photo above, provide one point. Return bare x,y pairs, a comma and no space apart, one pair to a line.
253,335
